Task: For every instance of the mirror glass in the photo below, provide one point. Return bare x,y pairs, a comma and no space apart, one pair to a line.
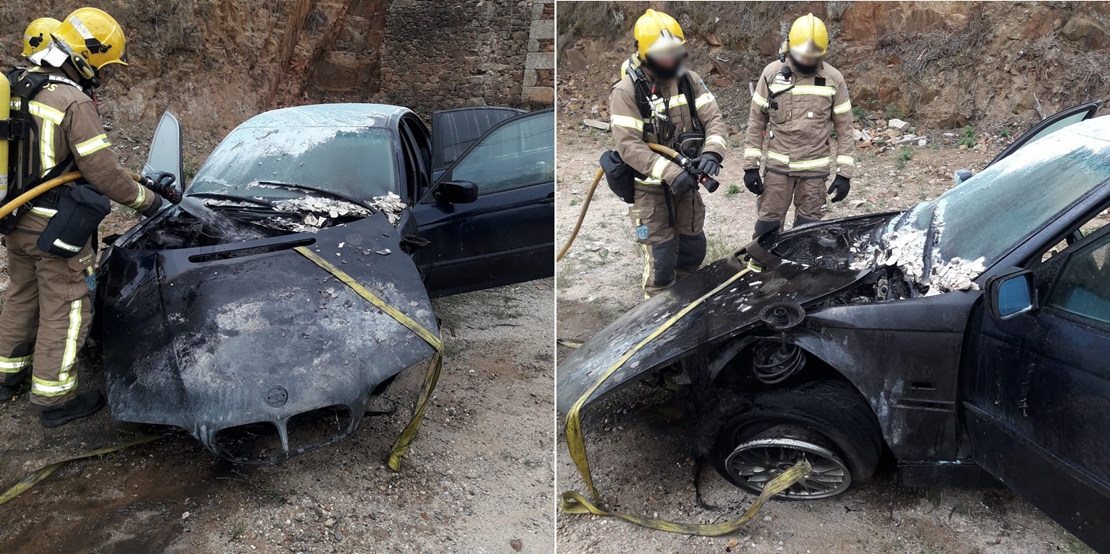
1014,295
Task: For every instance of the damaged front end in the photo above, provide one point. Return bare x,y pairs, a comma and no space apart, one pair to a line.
798,270
218,325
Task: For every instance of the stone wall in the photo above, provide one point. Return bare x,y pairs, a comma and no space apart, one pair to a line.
450,53
539,67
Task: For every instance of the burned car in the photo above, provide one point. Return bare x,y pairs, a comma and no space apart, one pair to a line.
966,338
212,317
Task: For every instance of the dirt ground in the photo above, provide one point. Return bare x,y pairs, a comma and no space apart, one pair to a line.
477,478
638,438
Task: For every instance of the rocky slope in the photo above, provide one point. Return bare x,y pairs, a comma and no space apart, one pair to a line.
944,64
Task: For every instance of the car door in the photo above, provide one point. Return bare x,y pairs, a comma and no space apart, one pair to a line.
1049,125
454,131
165,149
506,235
1037,386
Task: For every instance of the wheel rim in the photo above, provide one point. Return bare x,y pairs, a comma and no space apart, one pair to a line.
754,463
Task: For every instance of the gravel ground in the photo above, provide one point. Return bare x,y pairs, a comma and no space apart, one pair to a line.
637,439
477,478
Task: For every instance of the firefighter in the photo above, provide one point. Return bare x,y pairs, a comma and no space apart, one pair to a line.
44,322
37,35
796,100
659,101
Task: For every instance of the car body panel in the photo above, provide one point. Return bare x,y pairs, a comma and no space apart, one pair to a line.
201,340
504,237
1037,397
723,316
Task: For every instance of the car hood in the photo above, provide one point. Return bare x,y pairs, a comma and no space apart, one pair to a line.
221,336
819,267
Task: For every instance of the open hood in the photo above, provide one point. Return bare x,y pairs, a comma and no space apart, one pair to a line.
216,337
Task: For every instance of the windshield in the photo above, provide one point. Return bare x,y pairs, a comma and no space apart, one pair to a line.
356,162
986,216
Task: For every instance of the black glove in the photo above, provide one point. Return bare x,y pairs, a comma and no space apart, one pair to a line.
708,163
683,183
162,184
154,207
753,182
841,186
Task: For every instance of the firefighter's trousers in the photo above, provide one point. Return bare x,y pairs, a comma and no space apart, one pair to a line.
671,251
45,319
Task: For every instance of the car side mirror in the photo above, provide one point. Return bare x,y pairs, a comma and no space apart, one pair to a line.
1011,294
456,192
962,175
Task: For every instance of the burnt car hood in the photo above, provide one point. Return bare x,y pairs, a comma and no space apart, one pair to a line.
214,337
729,313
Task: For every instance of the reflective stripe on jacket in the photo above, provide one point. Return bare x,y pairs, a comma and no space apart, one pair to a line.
68,124
797,133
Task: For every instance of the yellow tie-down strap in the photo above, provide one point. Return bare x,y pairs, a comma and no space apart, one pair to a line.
45,471
574,503
401,445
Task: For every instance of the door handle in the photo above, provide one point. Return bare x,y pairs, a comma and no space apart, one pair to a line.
549,199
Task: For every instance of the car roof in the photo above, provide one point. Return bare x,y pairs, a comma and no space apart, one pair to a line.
328,115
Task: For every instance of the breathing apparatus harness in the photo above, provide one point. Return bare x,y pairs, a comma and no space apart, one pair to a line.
77,210
689,143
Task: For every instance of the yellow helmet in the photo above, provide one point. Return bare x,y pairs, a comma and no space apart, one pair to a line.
38,33
93,35
808,37
657,33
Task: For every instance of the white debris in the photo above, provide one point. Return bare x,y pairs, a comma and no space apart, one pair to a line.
384,252
922,142
391,205
905,249
897,124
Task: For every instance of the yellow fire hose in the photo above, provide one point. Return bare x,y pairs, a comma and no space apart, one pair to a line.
575,503
658,148
400,446
43,188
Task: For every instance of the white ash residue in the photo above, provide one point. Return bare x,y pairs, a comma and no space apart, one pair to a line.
391,205
905,249
316,213
955,274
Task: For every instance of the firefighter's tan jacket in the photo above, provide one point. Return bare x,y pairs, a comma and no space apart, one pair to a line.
68,123
798,139
629,127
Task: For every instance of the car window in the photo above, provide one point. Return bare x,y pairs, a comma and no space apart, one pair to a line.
1083,287
358,162
1070,120
517,154
987,215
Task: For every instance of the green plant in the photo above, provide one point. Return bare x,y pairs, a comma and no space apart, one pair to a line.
575,201
858,113
733,189
968,137
904,155
236,531
894,111
1004,133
